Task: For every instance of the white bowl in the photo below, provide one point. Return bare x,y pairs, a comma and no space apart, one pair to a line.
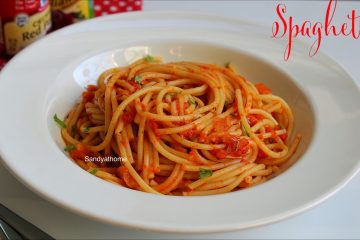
49,76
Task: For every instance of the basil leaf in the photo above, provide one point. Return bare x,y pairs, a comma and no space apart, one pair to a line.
59,122
93,171
204,173
69,148
138,79
149,58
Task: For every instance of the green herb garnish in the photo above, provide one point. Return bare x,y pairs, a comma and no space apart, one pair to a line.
281,126
86,129
192,101
149,58
138,79
69,148
59,122
93,171
226,104
204,173
73,130
244,130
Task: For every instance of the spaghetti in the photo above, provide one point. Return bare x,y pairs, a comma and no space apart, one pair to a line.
181,128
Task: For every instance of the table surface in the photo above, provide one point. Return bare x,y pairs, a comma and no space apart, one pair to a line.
338,217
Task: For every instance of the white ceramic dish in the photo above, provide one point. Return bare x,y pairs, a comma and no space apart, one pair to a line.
48,77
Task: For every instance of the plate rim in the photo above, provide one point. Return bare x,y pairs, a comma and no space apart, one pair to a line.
308,206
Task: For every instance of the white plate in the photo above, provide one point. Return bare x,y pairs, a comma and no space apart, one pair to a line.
48,77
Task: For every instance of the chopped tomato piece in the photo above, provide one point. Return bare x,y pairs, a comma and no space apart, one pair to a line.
154,126
202,138
189,134
92,88
180,123
268,129
128,117
156,170
214,138
252,120
235,104
261,154
178,106
262,88
159,179
81,152
219,153
222,124
271,130
88,96
284,136
234,147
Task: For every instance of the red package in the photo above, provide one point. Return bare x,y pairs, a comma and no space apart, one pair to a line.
21,23
105,7
3,61
67,12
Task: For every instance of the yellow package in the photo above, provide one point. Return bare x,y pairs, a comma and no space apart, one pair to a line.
65,12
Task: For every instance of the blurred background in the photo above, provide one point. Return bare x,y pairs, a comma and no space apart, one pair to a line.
24,21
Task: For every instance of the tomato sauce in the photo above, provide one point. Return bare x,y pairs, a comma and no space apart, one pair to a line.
81,152
262,88
234,147
222,124
154,126
87,96
128,117
190,133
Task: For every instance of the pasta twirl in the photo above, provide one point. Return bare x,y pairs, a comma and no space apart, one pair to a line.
181,128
